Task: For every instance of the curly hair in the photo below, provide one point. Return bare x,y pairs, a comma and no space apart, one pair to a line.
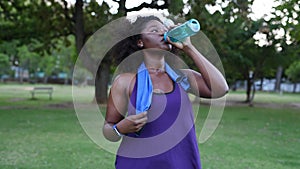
128,46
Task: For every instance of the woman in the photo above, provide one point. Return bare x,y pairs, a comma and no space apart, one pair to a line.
163,136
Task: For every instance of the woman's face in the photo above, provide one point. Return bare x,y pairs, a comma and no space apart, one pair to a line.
153,35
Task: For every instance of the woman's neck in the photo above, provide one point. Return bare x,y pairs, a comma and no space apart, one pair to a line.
155,62
154,59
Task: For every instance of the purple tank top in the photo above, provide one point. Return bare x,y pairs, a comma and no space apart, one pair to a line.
167,141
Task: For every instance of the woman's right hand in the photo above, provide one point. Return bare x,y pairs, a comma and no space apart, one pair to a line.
132,123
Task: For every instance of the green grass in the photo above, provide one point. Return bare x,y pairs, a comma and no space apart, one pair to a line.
36,135
19,95
266,97
47,138
254,138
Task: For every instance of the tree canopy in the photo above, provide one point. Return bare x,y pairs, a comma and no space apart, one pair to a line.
41,35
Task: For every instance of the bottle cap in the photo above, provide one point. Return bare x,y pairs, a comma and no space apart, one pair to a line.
194,25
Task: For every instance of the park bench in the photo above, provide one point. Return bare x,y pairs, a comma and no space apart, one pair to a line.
42,90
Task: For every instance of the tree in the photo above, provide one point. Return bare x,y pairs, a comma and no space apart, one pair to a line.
61,59
8,55
233,39
43,20
85,18
36,26
57,19
4,66
285,19
65,56
293,72
27,59
241,52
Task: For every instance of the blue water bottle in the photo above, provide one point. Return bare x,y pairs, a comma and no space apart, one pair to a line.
179,33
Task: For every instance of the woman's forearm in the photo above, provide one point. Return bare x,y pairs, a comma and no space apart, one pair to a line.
213,78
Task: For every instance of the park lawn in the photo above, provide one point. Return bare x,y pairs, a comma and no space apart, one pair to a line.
47,138
266,97
246,138
249,137
16,95
43,134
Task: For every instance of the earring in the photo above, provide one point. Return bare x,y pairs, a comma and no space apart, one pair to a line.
140,45
170,47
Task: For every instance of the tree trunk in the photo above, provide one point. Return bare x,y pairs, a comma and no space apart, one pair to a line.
278,79
101,83
87,60
248,90
122,8
252,95
261,84
103,72
79,28
294,87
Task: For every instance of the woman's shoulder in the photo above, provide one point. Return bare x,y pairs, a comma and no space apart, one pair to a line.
125,78
124,81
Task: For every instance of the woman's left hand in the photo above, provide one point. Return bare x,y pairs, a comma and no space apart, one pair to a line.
179,44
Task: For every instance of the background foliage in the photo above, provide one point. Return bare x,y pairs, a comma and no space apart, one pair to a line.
47,35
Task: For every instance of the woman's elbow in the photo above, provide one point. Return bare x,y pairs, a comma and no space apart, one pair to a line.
109,134
220,92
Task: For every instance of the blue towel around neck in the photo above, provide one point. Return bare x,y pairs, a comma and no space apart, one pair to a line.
145,88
